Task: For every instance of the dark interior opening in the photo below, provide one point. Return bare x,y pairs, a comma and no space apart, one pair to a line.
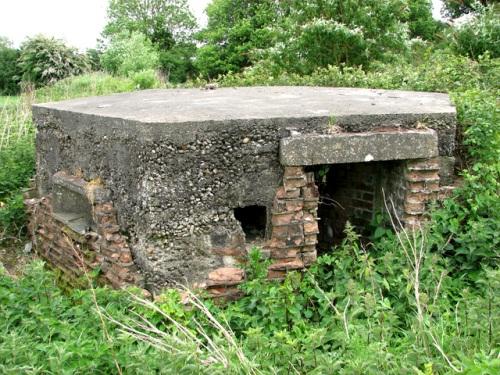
253,220
353,192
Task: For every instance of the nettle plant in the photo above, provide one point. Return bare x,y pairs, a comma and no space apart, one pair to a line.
360,310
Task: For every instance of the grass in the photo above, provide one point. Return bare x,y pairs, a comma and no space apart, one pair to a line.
8,100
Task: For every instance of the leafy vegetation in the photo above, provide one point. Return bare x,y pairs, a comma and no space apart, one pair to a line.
9,70
480,35
167,25
46,60
456,8
128,54
421,303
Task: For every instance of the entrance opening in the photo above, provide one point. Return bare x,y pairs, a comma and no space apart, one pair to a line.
355,192
253,220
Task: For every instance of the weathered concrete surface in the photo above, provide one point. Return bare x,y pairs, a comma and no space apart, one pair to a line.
178,162
245,103
291,107
315,149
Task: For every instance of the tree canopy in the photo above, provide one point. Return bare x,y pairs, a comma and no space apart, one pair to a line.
164,22
302,35
167,24
456,8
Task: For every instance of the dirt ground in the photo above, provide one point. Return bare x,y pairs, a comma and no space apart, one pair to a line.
13,256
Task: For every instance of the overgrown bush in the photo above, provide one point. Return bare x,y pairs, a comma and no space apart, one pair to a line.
129,53
18,163
469,223
177,63
84,85
480,35
145,79
9,69
45,60
93,56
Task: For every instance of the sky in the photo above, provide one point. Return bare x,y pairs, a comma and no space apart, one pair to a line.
78,22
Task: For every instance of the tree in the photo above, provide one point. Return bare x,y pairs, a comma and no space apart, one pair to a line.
9,70
302,35
235,30
479,35
129,53
164,22
456,8
168,24
420,19
45,60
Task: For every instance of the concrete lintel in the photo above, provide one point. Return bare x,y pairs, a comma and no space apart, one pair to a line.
315,149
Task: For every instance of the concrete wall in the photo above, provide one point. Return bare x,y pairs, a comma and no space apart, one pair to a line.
175,184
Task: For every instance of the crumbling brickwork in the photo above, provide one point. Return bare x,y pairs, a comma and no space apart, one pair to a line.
422,187
294,223
75,253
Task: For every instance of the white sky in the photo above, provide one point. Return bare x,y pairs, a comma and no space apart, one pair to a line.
78,22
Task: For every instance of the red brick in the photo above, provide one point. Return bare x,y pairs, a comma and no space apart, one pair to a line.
414,207
311,228
290,253
226,276
294,171
424,164
294,264
276,275
293,193
295,205
225,293
229,251
309,258
291,183
280,193
282,219
310,191
311,239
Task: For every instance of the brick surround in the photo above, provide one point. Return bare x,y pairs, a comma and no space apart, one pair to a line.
422,187
294,223
73,252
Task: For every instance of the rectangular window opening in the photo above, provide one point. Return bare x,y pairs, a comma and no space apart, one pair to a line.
253,220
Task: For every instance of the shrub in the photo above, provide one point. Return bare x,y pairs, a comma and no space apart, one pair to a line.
480,35
145,79
468,224
9,70
129,53
18,164
176,63
46,60
93,57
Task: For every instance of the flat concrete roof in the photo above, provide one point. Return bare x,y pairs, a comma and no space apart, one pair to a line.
246,103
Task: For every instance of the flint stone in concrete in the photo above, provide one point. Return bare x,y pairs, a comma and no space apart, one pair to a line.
315,149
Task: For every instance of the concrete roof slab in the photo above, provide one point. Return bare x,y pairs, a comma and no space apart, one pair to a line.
315,149
250,103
